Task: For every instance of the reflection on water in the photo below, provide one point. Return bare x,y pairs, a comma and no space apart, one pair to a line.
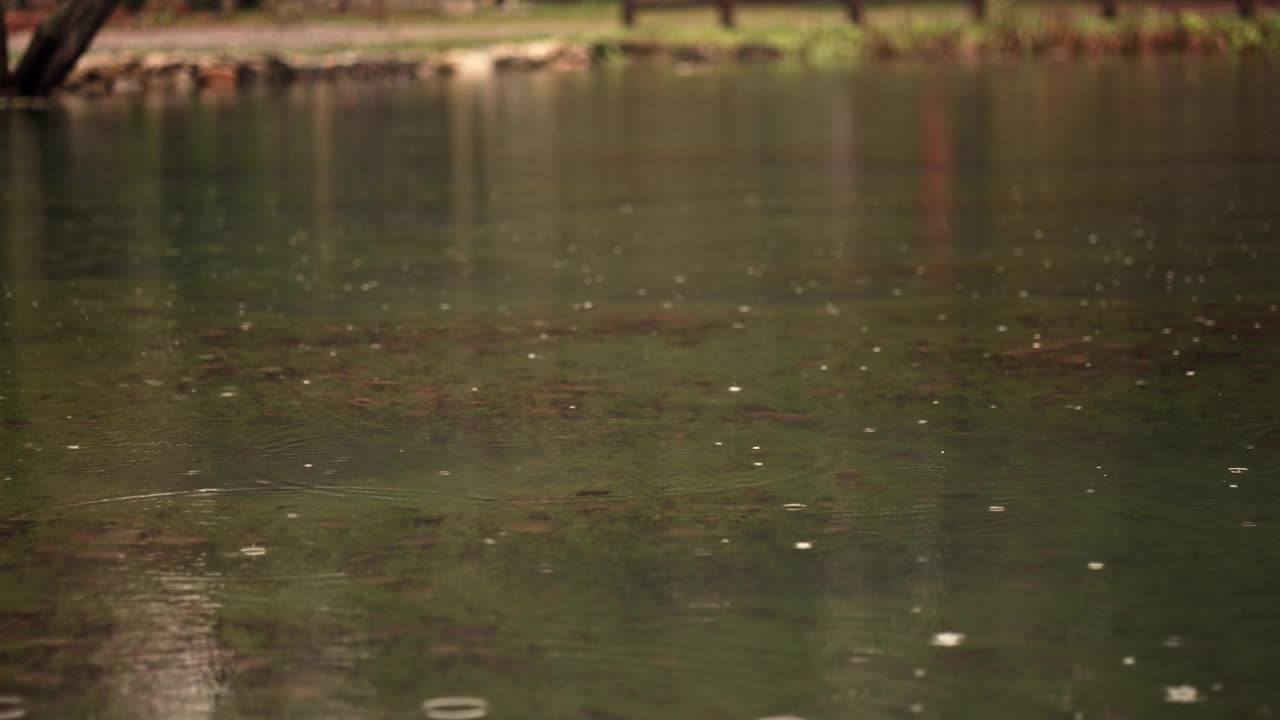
743,394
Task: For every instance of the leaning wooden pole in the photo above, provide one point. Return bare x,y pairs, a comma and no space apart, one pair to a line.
58,43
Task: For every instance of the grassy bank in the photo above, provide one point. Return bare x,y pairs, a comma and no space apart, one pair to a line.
947,32
187,54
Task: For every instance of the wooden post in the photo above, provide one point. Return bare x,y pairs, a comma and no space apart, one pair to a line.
1109,9
726,13
855,11
628,12
227,7
979,9
1248,8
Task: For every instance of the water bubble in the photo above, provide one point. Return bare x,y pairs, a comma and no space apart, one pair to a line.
1181,694
804,545
254,551
73,447
947,639
1237,470
792,507
1128,660
455,708
1096,565
735,388
1173,641
995,508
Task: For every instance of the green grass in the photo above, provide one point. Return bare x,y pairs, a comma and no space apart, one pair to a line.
817,33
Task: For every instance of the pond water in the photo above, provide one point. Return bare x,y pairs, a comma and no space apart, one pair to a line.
734,393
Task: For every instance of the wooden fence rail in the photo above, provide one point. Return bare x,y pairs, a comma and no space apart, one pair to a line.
727,9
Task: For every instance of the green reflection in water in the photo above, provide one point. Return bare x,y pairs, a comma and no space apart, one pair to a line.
320,404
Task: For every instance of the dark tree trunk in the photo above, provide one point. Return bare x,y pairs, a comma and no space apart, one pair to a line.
227,7
58,43
4,51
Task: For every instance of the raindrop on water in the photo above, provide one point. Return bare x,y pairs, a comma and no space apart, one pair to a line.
455,708
1181,694
947,639
254,551
12,707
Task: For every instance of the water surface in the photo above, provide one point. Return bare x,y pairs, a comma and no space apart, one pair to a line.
895,392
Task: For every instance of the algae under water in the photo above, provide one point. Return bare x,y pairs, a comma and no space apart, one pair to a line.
899,391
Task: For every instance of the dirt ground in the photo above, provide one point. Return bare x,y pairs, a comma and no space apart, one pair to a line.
236,37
